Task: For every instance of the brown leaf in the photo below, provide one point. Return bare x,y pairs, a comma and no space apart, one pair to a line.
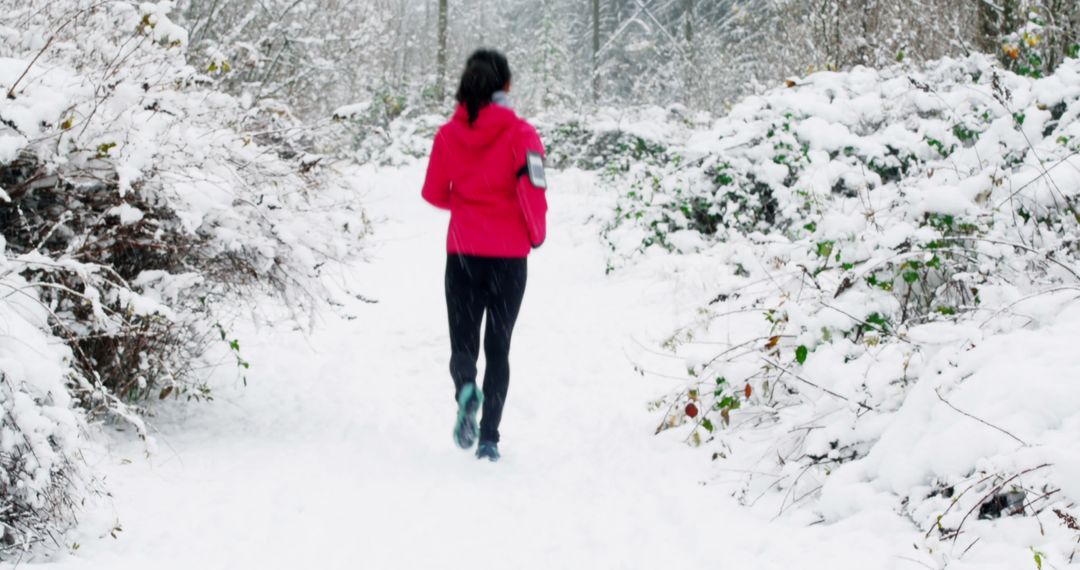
165,392
846,284
773,341
748,391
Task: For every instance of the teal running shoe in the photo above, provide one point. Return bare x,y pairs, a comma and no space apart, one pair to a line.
469,401
488,450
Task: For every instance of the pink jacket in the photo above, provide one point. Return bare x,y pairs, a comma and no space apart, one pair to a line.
473,172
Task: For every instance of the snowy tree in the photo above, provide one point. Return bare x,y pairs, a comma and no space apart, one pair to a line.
703,54
309,54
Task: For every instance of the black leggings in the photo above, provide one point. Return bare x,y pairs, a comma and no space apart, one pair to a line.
476,286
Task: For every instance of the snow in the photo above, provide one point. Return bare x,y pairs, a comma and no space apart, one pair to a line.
10,146
127,214
338,452
795,233
161,28
349,111
1033,361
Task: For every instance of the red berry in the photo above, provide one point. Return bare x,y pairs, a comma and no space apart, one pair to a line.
691,410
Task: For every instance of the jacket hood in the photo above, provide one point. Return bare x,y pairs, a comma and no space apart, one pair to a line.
493,121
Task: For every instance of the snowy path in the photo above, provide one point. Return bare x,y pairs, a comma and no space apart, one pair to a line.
338,453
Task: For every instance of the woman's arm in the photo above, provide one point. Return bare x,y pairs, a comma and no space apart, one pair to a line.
437,184
531,198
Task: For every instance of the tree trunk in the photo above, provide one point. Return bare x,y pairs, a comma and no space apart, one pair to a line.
596,50
440,56
1063,18
690,22
689,63
989,40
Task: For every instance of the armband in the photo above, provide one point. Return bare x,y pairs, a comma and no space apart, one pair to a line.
534,168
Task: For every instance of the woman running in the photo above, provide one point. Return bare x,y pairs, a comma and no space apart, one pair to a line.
486,167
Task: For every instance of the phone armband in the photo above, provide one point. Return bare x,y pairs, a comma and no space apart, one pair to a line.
534,168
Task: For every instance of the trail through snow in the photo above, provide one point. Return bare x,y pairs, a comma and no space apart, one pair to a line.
338,453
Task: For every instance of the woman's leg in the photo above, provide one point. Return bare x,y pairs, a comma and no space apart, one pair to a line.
466,298
506,284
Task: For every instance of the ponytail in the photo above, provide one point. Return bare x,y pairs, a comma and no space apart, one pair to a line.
486,72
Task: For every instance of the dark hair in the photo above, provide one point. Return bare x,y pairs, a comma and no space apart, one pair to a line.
486,72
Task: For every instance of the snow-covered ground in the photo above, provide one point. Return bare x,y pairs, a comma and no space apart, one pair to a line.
338,452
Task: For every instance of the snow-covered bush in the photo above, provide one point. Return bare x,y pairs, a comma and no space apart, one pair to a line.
1032,37
41,478
614,141
898,265
136,205
388,130
393,130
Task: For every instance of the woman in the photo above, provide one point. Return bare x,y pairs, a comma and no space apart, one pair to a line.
486,168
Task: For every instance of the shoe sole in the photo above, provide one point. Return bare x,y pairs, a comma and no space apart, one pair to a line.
465,428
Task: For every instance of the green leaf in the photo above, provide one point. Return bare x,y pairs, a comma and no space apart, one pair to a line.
104,148
941,222
911,277
940,147
879,320
705,423
800,354
728,403
964,134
